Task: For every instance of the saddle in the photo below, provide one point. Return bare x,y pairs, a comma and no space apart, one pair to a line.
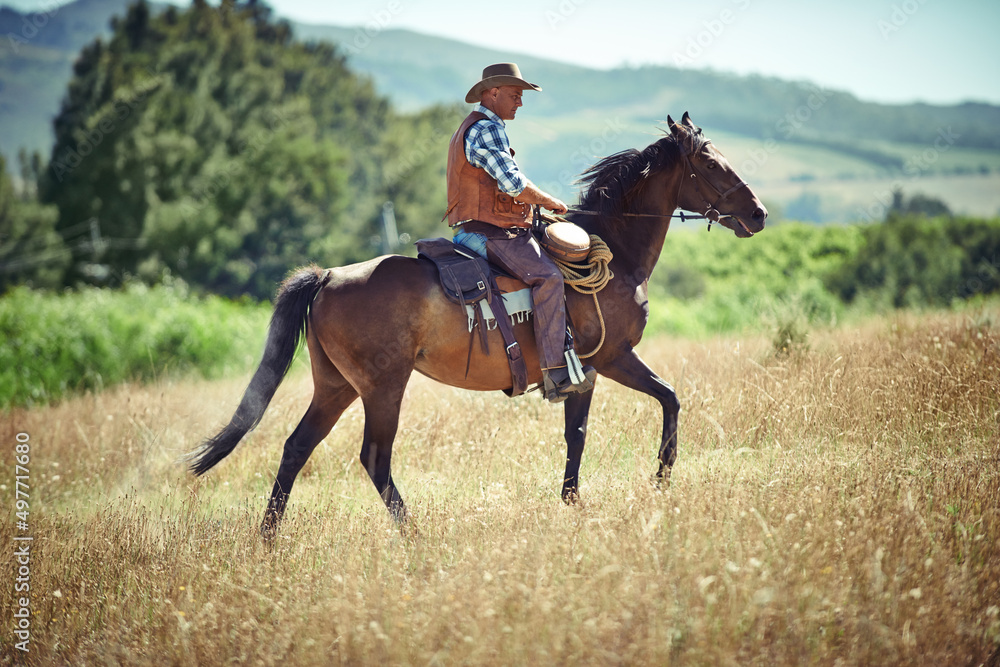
466,279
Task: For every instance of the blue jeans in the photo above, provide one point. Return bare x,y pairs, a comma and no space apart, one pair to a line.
474,241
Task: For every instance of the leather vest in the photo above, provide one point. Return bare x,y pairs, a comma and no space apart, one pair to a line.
473,194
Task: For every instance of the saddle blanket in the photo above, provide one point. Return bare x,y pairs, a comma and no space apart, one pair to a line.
518,307
518,303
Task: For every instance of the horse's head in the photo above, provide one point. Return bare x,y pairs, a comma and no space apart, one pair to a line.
712,187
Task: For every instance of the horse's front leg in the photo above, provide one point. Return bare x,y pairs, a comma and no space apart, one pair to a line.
577,411
630,370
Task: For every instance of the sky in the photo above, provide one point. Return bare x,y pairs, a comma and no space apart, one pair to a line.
894,51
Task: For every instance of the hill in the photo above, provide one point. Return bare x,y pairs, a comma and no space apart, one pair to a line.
819,154
816,154
417,70
36,62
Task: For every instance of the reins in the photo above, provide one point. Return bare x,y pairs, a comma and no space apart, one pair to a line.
711,212
593,276
683,217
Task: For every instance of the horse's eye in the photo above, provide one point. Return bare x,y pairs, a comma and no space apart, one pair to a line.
711,164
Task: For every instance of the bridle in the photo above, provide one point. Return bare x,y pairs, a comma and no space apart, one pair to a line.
711,212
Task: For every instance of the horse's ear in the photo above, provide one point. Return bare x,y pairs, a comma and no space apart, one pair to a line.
687,122
675,129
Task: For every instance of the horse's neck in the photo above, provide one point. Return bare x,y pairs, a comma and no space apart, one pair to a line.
638,243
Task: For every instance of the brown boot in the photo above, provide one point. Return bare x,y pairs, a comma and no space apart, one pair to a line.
558,385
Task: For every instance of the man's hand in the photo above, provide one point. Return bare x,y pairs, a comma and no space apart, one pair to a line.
533,195
556,206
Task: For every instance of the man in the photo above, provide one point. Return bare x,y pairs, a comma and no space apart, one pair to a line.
490,199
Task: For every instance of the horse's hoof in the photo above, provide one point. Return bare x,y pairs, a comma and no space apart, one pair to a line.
268,531
407,529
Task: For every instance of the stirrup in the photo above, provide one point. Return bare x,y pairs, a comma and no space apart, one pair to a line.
559,384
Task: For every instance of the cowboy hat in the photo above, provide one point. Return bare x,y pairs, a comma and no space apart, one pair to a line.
494,76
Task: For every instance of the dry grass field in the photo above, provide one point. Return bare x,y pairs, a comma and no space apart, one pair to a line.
836,505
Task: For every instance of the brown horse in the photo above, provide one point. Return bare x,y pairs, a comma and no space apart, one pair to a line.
370,325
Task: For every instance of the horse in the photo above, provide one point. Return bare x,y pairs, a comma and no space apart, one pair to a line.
369,326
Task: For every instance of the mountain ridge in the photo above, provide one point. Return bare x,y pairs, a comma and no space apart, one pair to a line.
797,136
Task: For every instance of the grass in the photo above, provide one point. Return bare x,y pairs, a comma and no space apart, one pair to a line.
837,503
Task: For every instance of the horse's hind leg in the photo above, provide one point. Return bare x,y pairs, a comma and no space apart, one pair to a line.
332,395
381,422
317,423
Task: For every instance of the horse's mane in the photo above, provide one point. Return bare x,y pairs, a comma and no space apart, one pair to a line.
614,180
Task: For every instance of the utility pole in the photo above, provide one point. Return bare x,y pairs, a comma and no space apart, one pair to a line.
390,237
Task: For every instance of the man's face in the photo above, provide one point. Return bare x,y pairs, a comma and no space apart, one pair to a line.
505,100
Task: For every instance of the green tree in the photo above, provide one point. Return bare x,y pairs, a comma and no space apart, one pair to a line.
209,144
911,260
31,252
918,204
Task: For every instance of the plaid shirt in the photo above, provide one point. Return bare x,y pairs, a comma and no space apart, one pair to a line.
487,147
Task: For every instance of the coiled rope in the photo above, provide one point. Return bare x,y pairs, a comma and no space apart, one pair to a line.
591,278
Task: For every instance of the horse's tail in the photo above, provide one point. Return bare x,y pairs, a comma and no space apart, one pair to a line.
288,325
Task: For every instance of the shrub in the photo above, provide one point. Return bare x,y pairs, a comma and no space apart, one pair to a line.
56,344
915,261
